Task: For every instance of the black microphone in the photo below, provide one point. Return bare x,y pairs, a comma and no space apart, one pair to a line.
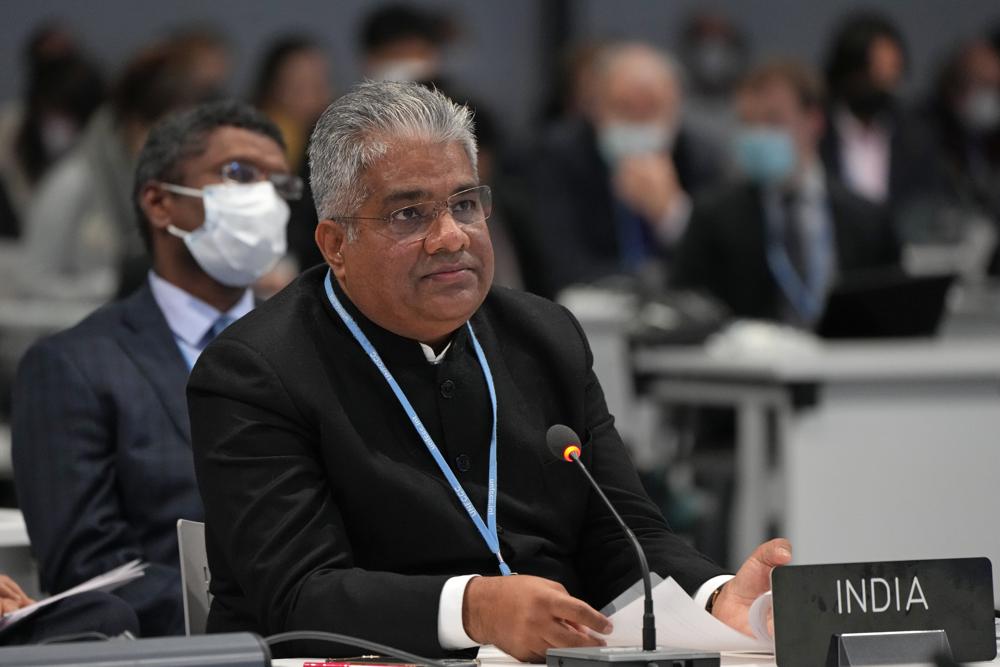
564,443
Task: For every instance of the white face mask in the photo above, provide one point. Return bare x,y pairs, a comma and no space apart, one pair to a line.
243,236
617,141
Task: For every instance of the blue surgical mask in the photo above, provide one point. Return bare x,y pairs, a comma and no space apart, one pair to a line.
618,140
765,155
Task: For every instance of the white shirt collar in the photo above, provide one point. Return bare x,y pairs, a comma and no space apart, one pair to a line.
188,317
432,358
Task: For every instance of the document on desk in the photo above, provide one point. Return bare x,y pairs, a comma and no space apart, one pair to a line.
103,582
680,623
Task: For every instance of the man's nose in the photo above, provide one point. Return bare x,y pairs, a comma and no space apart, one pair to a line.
445,234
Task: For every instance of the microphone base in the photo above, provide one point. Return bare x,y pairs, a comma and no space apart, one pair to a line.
626,656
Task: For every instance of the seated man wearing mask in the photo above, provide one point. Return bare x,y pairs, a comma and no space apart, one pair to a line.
611,191
771,246
101,438
372,438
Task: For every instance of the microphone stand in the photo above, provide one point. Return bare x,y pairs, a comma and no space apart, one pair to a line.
648,620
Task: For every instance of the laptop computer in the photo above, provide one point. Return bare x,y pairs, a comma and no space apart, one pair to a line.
885,304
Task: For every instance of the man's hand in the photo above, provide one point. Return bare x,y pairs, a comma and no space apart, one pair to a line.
12,597
523,616
648,185
753,579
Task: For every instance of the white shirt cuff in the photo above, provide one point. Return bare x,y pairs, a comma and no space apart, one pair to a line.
705,591
451,630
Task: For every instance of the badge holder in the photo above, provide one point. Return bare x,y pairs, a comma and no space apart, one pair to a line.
875,649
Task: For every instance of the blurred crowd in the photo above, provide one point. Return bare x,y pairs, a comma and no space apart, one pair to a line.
756,184
672,169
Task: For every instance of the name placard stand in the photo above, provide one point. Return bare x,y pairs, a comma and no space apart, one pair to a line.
875,649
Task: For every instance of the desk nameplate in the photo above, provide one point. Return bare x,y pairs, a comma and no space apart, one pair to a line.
814,604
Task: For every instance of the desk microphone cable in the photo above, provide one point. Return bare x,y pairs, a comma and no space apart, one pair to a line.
334,638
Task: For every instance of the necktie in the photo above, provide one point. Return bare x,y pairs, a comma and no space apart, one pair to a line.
793,236
218,327
633,238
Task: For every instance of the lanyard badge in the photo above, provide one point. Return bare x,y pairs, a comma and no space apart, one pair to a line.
488,529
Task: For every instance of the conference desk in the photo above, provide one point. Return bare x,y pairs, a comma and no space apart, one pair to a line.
857,451
491,657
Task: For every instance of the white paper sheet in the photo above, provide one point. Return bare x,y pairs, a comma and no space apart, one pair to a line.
680,623
103,582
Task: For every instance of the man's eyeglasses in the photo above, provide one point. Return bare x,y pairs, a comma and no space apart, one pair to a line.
413,222
288,186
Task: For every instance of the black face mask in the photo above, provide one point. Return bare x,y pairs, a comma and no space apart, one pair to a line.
867,102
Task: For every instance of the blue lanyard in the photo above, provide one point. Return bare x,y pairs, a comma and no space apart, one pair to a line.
489,529
805,294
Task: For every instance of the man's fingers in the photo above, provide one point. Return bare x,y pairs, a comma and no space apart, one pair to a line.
10,589
562,635
580,613
774,553
8,593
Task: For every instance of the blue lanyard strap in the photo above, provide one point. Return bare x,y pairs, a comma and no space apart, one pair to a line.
489,529
805,293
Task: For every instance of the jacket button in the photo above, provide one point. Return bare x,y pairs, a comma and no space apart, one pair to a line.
447,388
462,463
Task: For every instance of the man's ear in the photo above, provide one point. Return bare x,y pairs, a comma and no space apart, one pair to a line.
156,204
331,236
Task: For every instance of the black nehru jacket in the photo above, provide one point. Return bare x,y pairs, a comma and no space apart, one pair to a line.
325,510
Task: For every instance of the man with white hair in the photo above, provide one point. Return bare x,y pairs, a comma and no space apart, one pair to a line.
612,190
370,443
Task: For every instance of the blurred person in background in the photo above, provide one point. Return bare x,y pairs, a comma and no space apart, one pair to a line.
772,245
100,433
575,80
293,88
80,226
965,109
63,88
715,55
93,612
401,42
611,191
873,143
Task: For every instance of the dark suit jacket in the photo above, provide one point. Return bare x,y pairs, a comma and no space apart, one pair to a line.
724,250
573,236
915,172
102,458
325,510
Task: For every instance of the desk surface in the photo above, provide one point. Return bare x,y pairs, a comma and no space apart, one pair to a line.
505,661
897,360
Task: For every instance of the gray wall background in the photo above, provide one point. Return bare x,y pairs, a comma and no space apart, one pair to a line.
502,59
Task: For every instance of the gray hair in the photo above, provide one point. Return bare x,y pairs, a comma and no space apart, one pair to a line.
355,130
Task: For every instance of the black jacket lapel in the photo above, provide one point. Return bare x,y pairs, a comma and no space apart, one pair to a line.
147,340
